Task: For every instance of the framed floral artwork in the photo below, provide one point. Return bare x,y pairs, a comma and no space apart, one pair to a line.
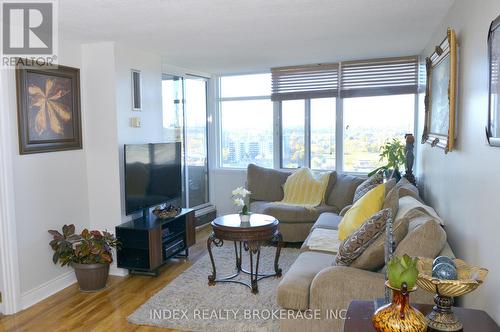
441,94
48,109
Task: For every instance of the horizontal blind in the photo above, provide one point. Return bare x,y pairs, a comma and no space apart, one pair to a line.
309,81
379,77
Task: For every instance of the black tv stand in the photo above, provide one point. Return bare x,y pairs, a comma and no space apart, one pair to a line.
147,243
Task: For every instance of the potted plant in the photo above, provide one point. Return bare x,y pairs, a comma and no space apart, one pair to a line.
89,253
239,199
394,153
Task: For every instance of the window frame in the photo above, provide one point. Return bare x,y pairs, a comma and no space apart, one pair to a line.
278,130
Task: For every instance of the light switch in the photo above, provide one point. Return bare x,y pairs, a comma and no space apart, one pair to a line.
135,122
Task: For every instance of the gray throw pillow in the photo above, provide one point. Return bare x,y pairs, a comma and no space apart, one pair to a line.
426,238
368,185
352,247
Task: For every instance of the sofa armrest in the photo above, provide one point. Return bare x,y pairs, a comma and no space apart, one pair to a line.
335,287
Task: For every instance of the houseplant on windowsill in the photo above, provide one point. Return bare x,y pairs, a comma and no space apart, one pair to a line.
394,153
239,199
89,253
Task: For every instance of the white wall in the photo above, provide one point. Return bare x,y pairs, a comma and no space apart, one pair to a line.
223,181
50,190
151,130
82,187
464,186
101,136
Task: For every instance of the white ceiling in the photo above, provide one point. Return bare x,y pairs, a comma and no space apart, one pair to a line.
247,35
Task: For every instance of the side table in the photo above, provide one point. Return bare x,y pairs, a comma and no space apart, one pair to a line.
261,228
359,317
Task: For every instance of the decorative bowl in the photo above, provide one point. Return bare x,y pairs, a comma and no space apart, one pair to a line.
166,213
442,318
469,278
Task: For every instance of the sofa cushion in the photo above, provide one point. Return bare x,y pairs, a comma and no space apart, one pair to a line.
293,290
373,258
328,220
290,213
343,191
425,238
364,208
392,201
306,247
406,188
358,241
367,185
265,183
331,184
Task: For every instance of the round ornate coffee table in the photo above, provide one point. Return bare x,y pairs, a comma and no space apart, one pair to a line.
261,229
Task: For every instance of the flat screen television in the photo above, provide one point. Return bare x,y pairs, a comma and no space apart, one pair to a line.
153,175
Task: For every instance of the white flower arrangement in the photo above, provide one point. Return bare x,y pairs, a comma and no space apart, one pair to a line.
239,195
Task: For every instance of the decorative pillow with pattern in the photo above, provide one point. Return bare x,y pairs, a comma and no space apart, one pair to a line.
368,185
357,242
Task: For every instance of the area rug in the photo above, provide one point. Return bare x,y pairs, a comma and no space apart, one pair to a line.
188,303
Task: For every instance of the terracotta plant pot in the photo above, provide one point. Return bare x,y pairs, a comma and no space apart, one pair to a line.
91,277
399,315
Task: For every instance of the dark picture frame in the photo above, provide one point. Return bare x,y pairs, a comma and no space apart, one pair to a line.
136,90
441,94
493,125
48,109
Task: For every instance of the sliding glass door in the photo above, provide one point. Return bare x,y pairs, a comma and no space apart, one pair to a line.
185,120
195,142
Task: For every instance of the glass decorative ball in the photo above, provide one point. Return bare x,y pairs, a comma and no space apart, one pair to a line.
444,271
443,259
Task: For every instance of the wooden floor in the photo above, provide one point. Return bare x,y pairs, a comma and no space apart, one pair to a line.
107,310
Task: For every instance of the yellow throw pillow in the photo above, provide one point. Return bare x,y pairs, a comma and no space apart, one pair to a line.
363,209
303,188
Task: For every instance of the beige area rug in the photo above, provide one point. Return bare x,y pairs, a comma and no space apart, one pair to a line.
188,303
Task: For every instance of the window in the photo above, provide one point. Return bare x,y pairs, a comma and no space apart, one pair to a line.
308,133
246,121
293,134
323,133
369,122
323,116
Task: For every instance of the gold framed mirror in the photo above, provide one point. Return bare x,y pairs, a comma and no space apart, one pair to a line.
440,94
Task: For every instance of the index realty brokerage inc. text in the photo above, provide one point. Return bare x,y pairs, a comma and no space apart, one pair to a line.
246,314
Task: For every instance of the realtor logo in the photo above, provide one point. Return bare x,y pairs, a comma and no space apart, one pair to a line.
29,30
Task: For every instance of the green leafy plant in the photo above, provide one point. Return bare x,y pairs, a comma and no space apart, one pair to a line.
89,247
394,153
402,269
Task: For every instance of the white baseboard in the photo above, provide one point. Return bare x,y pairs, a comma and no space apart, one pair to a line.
116,271
47,289
55,285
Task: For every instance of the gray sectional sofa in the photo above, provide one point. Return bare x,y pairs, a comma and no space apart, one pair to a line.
266,186
315,284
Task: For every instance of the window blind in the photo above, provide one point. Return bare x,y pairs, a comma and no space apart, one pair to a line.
300,82
379,77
